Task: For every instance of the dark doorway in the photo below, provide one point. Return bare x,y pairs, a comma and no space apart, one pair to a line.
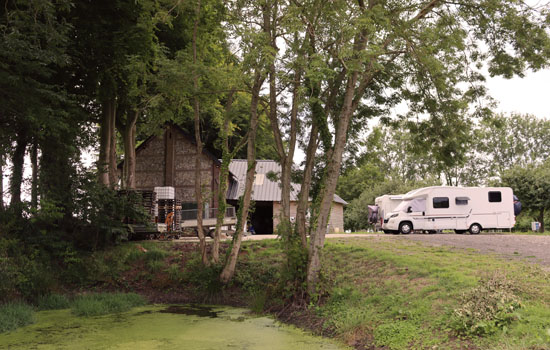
262,218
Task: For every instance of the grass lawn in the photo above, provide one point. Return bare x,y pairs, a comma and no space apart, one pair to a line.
403,295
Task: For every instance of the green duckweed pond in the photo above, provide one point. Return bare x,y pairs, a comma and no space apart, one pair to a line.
162,327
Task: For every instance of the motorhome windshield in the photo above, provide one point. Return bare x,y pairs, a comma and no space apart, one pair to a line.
412,205
402,206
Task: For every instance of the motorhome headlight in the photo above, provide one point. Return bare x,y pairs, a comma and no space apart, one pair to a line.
394,215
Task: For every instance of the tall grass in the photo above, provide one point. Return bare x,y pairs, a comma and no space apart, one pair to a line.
15,315
53,302
105,303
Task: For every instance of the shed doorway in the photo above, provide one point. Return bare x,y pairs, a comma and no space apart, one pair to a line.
262,218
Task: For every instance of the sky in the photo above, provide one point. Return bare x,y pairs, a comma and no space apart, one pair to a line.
530,94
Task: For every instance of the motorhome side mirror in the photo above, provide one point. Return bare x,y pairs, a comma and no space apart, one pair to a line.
409,210
423,213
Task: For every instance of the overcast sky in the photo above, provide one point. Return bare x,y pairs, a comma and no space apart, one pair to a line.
528,95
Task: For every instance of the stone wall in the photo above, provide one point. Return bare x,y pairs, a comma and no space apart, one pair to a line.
150,163
151,168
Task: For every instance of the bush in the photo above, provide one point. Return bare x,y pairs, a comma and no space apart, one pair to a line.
487,308
15,315
53,302
105,303
25,271
204,278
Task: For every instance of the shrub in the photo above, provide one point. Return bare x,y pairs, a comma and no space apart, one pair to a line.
487,308
105,303
204,278
15,315
53,302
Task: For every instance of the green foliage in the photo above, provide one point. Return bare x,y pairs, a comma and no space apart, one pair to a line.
15,315
53,302
531,185
205,279
488,308
515,140
101,304
292,279
25,270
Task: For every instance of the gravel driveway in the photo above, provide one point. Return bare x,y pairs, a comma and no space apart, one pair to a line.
533,248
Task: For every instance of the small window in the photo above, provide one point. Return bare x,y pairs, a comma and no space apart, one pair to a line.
461,201
495,196
441,202
259,179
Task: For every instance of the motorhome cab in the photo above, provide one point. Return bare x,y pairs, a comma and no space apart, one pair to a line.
458,208
383,205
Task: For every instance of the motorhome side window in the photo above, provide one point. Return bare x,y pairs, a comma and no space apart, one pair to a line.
461,200
441,202
495,196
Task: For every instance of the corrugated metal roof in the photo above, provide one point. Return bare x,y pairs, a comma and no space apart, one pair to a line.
264,189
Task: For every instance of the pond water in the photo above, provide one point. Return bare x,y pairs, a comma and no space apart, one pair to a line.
162,327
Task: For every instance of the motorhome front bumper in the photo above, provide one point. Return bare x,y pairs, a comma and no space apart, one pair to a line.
390,224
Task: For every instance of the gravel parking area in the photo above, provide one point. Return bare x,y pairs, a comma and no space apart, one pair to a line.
532,248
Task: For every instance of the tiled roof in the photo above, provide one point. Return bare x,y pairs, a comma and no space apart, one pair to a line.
264,189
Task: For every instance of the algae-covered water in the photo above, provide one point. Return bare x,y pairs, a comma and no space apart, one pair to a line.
162,328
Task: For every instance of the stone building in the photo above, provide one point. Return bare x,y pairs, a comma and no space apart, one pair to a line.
168,159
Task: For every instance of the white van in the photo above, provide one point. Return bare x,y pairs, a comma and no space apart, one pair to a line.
461,209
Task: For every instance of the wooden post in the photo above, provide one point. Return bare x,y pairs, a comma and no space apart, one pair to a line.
169,149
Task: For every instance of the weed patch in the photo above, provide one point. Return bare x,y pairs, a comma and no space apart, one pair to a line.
396,335
490,307
105,303
53,302
15,315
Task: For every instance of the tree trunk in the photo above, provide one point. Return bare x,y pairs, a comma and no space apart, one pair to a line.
113,173
541,220
1,182
129,137
223,179
198,141
303,199
34,166
229,268
104,143
326,195
56,174
18,161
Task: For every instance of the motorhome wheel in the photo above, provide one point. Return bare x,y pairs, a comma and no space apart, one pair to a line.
475,229
405,228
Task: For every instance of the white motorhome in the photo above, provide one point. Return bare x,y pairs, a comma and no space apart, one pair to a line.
386,204
461,209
